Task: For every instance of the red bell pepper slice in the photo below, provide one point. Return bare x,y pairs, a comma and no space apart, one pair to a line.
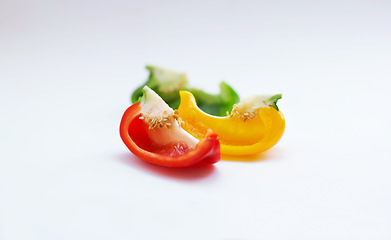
151,130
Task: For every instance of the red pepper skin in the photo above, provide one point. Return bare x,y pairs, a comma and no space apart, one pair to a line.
206,151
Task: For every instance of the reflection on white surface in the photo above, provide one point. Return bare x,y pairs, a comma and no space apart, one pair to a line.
67,70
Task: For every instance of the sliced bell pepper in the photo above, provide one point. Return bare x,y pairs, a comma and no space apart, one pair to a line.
167,84
151,130
254,125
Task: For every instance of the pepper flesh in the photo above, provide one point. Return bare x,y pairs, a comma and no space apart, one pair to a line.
240,133
168,145
167,84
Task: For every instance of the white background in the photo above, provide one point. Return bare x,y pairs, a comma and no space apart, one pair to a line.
67,69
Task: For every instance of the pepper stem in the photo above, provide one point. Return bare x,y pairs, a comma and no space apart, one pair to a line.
273,101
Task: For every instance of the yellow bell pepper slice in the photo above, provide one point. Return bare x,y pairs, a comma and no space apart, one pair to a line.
254,125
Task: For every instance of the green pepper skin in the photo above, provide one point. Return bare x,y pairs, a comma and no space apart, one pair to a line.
168,83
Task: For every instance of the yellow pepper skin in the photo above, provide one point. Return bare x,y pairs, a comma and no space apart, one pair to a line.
240,133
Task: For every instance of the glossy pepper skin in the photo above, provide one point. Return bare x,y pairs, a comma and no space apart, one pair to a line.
168,145
167,84
251,128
